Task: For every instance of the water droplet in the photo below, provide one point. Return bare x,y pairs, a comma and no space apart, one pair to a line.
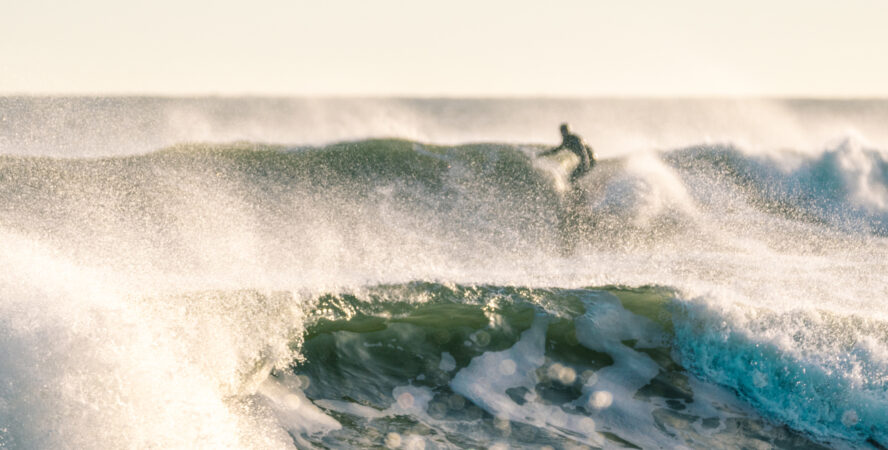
393,440
601,399
558,418
414,442
850,418
481,338
438,410
567,375
405,400
292,401
507,367
587,424
563,374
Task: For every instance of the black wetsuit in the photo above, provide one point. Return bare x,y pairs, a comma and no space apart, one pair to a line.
573,143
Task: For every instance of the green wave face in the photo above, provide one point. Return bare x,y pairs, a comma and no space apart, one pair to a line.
404,363
173,207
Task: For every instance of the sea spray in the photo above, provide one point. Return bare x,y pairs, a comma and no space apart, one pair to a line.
252,295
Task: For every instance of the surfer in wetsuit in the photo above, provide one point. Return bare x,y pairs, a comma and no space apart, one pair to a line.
575,144
573,218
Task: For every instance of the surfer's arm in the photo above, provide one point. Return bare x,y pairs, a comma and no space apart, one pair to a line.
591,155
550,151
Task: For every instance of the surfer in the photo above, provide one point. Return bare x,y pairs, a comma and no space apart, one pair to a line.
575,144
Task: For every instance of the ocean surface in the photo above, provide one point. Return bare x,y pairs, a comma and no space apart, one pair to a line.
405,273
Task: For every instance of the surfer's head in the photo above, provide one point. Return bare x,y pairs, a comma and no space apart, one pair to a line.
565,129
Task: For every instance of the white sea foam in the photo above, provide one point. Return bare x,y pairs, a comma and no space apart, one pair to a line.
85,363
486,384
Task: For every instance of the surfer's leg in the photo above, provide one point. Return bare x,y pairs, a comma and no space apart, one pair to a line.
578,172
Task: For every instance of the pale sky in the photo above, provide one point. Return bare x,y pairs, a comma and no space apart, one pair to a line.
447,48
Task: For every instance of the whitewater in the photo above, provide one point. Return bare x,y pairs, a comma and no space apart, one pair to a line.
406,273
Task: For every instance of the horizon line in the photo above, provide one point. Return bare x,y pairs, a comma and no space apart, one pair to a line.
403,96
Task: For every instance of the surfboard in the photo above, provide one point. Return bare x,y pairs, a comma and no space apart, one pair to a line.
566,159
559,165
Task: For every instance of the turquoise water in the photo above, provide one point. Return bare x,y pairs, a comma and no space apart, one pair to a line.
393,292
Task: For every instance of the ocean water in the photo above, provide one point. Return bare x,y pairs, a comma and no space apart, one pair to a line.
341,273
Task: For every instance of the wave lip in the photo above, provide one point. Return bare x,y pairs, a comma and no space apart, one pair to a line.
844,186
821,373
